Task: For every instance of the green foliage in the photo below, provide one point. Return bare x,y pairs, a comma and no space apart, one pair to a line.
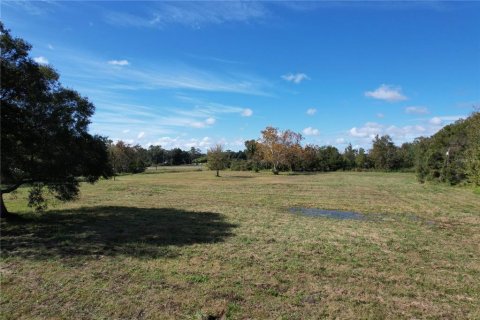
216,158
384,154
44,128
128,159
452,155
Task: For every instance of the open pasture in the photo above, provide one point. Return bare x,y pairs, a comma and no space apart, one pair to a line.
184,244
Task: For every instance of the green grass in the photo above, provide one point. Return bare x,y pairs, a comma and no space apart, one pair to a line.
187,245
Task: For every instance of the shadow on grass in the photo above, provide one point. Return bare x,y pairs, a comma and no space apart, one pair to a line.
110,231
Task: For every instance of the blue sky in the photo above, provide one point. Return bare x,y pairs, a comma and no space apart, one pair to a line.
183,74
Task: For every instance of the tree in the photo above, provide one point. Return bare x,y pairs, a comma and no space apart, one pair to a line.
216,158
361,160
349,156
44,130
280,147
473,151
127,159
384,153
253,153
329,159
156,155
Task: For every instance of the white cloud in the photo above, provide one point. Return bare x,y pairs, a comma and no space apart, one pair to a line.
50,46
201,124
126,131
311,111
309,131
437,121
168,142
387,93
141,135
380,115
210,121
40,60
416,110
119,62
247,112
295,78
340,140
370,129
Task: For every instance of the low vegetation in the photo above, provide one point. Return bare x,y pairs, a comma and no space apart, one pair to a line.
188,245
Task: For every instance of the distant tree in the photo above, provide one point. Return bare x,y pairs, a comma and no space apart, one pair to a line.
127,159
251,149
293,150
280,147
329,159
195,153
44,130
309,157
384,153
349,156
406,155
216,158
272,148
177,156
156,155
253,153
361,160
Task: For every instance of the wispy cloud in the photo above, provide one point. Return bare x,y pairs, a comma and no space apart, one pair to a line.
311,111
416,110
170,75
387,93
247,112
309,131
191,14
35,8
40,60
441,120
141,135
295,78
119,62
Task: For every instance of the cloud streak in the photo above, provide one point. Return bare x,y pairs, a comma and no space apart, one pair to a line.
191,14
295,78
119,62
416,110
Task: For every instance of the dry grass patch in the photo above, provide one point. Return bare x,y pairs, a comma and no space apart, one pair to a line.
187,245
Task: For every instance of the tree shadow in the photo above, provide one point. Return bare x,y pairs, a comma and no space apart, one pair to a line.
110,231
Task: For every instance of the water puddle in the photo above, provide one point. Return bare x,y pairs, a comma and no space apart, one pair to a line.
335,214
350,215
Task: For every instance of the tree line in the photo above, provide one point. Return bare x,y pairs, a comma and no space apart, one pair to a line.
452,155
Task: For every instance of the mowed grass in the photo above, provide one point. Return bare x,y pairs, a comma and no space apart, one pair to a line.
187,245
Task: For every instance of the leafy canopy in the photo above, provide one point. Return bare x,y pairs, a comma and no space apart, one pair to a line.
44,128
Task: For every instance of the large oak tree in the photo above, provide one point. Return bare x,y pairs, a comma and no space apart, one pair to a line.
44,129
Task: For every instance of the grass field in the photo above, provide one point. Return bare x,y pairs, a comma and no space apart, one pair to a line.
187,245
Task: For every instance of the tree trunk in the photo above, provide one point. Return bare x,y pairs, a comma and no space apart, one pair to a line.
4,212
218,175
274,170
